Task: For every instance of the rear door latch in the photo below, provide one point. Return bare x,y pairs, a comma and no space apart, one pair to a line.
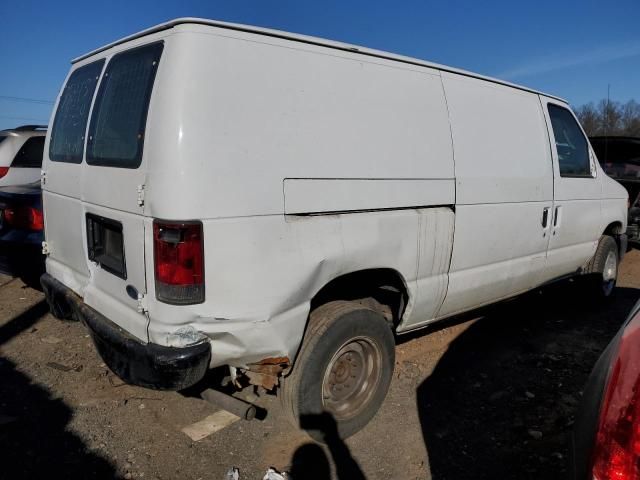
141,195
142,303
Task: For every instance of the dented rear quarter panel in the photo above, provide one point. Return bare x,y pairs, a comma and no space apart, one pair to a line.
262,273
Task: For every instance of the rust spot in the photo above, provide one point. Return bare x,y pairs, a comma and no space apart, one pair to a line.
265,373
273,361
262,379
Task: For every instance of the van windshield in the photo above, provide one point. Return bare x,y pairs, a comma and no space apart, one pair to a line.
70,123
118,121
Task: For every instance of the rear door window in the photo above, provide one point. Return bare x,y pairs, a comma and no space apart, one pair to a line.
70,123
30,155
571,144
118,121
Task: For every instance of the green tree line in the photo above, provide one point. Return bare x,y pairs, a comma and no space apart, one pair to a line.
610,118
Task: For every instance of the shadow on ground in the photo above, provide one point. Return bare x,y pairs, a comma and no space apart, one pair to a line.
501,401
34,438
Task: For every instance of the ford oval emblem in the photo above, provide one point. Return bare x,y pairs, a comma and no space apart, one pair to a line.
132,292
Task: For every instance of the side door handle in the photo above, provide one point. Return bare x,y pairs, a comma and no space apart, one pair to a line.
545,218
556,216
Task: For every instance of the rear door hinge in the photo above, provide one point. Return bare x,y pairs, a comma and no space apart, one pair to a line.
43,177
141,195
45,248
142,303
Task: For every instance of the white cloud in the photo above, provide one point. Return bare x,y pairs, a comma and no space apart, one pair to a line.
566,60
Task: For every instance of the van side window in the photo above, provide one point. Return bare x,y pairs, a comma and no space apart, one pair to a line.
571,144
30,155
70,123
118,121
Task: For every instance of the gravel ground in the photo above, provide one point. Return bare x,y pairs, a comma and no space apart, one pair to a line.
491,395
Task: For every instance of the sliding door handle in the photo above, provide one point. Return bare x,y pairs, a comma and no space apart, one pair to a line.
545,217
556,215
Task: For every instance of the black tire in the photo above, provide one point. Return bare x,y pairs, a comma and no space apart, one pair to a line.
602,269
335,346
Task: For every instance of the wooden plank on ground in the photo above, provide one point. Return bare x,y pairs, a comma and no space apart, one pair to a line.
209,425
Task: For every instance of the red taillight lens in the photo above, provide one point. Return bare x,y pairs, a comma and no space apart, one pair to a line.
179,262
3,171
616,453
24,218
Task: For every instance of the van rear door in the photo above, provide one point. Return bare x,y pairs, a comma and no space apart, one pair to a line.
108,184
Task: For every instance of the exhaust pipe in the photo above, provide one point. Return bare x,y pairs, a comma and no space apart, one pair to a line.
240,408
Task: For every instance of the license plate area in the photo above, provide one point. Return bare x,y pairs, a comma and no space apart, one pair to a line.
105,244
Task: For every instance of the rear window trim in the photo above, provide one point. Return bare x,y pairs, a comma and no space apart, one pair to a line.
134,163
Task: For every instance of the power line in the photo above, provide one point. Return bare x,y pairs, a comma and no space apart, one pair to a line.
26,100
29,119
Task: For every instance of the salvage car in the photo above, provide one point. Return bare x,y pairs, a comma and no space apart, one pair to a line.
22,232
620,159
606,437
282,206
21,154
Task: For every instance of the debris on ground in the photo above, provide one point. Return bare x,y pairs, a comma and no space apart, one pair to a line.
233,474
51,340
76,367
537,434
271,474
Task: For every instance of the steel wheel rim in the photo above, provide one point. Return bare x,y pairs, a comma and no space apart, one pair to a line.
351,377
609,273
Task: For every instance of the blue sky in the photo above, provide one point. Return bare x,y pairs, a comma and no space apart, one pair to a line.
570,48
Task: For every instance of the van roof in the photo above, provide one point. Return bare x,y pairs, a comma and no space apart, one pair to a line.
309,40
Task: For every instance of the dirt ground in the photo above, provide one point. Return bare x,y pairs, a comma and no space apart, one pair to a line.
491,395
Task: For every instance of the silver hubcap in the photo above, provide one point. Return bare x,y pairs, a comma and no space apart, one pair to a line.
610,272
351,378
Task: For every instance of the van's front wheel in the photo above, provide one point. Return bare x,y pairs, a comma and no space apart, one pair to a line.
344,369
603,268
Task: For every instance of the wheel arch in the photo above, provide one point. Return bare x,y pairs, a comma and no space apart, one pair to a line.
383,289
615,230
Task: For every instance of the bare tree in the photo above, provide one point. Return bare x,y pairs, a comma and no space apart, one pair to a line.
589,118
630,118
610,118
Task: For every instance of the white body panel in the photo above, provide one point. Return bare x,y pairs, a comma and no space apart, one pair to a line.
504,182
305,162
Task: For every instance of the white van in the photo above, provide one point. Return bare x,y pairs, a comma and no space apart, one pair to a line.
21,154
219,195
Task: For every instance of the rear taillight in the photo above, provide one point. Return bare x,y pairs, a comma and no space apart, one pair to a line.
24,218
3,171
179,262
616,453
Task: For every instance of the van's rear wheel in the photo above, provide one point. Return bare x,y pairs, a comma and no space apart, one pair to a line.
603,268
344,368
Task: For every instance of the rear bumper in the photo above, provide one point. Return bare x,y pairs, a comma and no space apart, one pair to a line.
145,364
